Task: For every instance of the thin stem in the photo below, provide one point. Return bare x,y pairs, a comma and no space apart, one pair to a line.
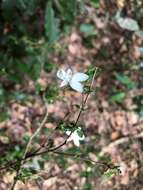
16,176
38,129
81,157
29,144
77,156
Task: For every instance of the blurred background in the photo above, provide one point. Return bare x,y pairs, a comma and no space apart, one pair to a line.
38,37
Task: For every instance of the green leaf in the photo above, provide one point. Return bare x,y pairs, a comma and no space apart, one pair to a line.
87,28
51,94
119,97
138,100
68,10
51,28
19,96
127,81
95,1
87,186
91,70
26,173
80,132
4,115
110,173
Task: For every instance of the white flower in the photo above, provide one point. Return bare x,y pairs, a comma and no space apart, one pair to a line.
126,23
73,79
75,137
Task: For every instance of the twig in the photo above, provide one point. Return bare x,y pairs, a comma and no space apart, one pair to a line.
28,145
16,176
118,142
38,129
81,157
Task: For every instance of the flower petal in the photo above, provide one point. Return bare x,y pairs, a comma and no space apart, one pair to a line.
81,137
68,132
80,77
76,141
61,74
70,138
76,86
64,83
71,135
69,72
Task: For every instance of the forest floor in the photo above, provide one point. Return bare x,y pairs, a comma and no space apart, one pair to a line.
111,128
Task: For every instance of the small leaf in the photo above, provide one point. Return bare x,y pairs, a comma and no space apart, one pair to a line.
51,94
87,186
124,79
95,1
110,173
118,97
51,28
91,70
126,23
80,132
68,10
87,28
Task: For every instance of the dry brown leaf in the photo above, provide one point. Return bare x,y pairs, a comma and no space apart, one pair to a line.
47,185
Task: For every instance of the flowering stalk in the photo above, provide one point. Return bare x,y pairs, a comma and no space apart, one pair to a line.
82,106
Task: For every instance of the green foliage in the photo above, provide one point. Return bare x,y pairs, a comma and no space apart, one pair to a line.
3,108
126,84
4,114
138,100
51,28
110,173
92,171
93,70
27,40
24,5
64,126
26,174
12,154
118,97
95,1
20,96
88,29
68,10
62,161
17,153
52,94
87,186
125,80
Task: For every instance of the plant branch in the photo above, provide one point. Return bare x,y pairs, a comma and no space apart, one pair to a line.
29,144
